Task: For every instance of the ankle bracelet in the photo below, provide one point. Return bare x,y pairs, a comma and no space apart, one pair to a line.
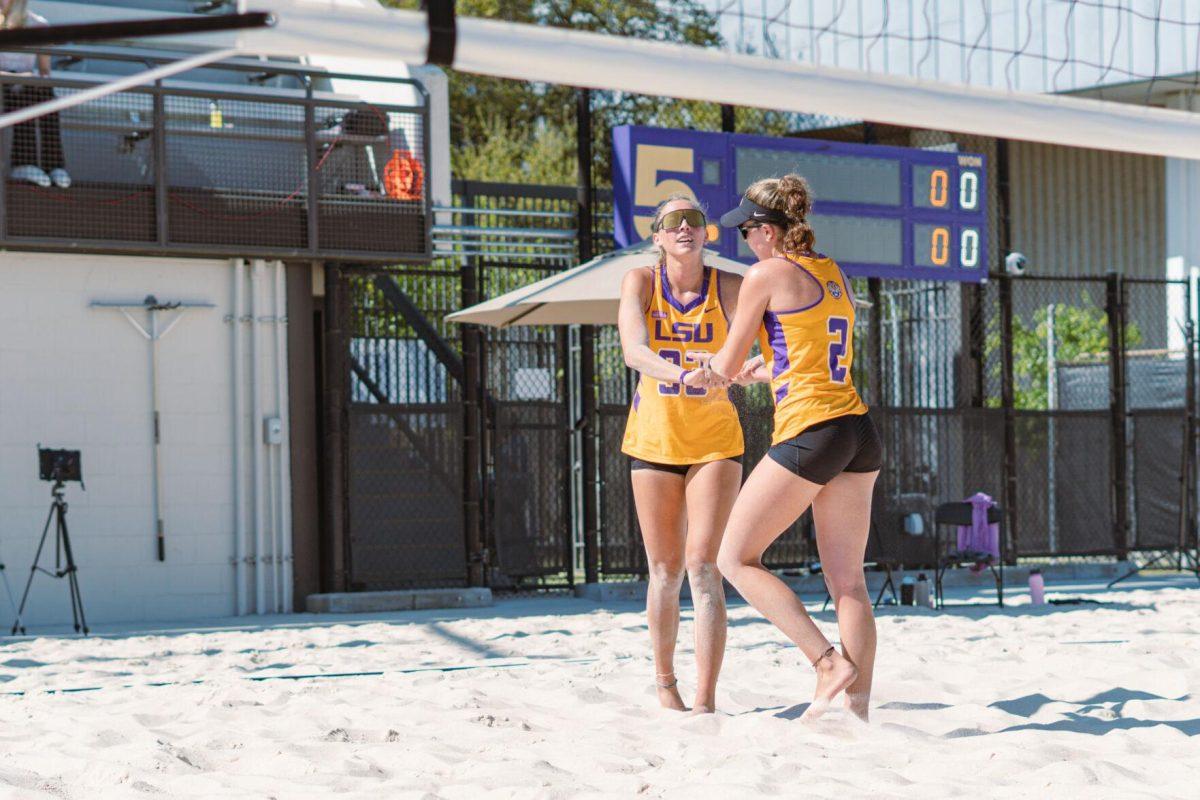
824,655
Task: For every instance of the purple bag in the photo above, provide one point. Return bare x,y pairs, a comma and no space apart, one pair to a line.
979,536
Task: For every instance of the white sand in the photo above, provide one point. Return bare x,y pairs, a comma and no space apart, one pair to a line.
1057,702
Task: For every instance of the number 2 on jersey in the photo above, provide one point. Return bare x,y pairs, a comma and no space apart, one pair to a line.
840,328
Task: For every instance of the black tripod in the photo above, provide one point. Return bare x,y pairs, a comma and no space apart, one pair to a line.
62,547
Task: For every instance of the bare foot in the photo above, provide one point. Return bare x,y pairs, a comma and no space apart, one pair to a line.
668,692
834,673
859,704
704,707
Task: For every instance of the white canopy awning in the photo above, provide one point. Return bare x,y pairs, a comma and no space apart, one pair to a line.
585,295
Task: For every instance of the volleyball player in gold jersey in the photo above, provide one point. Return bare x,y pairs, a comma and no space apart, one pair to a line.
683,439
825,449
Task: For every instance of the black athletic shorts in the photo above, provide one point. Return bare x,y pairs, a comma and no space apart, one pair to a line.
822,451
677,469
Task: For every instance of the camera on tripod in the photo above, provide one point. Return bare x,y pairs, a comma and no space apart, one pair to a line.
60,466
57,467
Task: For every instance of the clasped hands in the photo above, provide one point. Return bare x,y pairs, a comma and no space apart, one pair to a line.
753,371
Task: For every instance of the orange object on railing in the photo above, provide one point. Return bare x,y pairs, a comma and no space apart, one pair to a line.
403,177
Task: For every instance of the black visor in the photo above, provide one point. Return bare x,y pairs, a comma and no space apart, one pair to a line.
749,211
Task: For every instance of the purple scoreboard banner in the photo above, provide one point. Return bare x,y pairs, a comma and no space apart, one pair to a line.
886,212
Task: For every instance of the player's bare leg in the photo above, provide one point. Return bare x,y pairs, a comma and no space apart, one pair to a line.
711,491
660,502
770,501
842,516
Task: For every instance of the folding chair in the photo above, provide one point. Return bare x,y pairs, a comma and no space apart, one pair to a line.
961,513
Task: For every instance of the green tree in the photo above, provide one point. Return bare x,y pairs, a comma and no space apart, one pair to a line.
1080,334
507,130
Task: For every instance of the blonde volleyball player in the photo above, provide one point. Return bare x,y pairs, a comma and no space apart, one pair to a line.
825,449
683,439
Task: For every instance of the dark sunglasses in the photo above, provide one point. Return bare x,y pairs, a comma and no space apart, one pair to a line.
745,229
671,221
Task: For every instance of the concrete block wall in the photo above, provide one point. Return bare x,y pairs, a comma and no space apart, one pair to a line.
77,377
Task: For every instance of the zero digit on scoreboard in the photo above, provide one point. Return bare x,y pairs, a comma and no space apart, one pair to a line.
968,190
939,188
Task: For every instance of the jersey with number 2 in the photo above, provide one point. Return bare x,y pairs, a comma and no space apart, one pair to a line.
809,352
669,422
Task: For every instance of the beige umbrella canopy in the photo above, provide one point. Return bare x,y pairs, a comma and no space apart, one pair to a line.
585,295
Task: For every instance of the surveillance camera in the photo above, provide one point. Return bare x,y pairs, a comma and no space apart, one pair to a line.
1015,264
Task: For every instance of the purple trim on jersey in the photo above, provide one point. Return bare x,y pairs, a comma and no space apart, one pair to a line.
779,354
670,298
781,393
637,398
720,299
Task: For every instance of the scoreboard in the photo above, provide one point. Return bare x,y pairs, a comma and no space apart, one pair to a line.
887,212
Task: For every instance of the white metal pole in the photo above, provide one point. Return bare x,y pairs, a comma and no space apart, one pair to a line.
285,447
256,482
239,434
156,432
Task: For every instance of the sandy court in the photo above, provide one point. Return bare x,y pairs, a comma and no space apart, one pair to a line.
552,697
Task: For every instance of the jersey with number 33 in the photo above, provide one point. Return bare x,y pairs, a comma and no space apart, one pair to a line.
670,423
809,352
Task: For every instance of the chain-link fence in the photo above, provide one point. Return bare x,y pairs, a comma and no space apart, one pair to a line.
525,373
1068,400
404,450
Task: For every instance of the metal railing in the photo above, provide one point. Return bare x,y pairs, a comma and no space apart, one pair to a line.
278,165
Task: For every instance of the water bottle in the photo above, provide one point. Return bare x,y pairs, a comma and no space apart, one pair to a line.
907,589
921,593
1037,587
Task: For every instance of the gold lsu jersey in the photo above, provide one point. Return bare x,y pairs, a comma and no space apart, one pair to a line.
670,423
809,352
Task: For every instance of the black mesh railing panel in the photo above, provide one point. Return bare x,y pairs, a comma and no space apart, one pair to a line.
621,549
405,484
220,170
530,517
105,146
236,172
1064,505
1158,450
371,178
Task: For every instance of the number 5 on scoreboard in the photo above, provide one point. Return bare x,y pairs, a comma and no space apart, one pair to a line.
648,190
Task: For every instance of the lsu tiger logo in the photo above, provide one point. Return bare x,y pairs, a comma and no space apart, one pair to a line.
835,291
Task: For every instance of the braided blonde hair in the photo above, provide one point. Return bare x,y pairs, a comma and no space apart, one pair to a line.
791,196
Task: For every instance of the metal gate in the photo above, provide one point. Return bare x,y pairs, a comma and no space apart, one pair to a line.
404,439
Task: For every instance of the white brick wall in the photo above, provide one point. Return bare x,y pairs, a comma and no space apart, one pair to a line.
77,377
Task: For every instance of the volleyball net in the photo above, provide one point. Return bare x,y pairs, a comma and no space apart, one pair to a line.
1086,73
